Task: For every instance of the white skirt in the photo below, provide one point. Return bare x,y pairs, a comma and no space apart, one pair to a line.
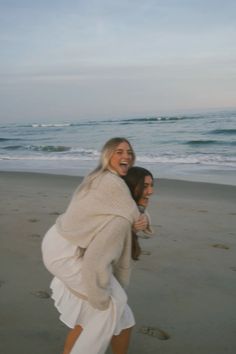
62,259
76,311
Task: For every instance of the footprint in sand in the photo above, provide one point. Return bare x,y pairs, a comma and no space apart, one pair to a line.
42,294
42,194
154,332
146,253
35,235
233,268
221,245
33,220
2,282
55,213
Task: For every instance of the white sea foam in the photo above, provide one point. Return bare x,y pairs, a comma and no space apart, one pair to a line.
48,158
46,125
85,155
201,159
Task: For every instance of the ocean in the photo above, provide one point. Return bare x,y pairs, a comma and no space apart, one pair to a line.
195,147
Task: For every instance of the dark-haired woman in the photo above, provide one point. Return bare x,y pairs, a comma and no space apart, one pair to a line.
140,182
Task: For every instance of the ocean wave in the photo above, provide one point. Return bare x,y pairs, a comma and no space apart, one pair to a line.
48,158
111,121
50,125
224,131
72,124
49,148
209,142
63,149
200,159
85,152
168,159
60,125
156,119
9,139
38,148
43,125
53,149
201,142
13,147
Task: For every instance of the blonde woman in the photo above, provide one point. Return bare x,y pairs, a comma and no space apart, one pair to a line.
88,250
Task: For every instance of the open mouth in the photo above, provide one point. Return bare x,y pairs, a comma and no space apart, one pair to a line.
124,166
144,200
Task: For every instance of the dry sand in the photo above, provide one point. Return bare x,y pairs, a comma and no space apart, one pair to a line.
184,284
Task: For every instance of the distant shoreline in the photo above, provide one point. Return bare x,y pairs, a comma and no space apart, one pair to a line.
227,177
166,182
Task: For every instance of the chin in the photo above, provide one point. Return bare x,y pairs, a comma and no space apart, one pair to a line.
144,204
123,173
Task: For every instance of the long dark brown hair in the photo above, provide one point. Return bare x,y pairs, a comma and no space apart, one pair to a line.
135,181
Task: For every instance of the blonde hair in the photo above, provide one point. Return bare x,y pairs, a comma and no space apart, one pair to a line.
105,157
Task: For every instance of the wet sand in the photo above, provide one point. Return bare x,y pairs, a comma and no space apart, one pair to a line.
182,291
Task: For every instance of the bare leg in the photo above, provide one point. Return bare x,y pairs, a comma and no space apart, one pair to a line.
71,338
120,343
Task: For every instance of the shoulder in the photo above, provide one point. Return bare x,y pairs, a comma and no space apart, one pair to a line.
110,183
111,177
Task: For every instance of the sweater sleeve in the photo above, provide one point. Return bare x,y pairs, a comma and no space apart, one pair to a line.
105,249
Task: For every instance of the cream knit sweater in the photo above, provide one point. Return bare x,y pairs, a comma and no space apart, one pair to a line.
99,220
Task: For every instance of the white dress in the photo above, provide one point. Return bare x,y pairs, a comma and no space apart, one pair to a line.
64,261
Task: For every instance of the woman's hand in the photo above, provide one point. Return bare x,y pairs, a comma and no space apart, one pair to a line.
140,224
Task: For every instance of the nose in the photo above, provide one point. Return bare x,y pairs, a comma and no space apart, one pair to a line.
126,155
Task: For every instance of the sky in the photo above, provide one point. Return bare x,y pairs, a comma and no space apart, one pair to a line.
94,59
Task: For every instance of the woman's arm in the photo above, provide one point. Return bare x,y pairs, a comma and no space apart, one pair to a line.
106,248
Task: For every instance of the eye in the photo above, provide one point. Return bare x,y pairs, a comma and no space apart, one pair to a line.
118,152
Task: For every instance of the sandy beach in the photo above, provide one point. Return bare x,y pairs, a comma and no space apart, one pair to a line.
184,284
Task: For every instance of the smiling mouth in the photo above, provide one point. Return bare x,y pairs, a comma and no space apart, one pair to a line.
124,166
145,199
124,163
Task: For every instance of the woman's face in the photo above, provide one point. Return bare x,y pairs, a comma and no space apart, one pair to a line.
147,191
122,159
